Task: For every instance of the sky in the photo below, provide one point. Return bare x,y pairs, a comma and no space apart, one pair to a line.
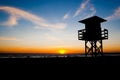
48,26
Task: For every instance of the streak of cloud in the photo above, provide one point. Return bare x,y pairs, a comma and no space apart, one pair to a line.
92,8
115,15
92,12
66,16
12,21
16,14
81,8
7,39
53,38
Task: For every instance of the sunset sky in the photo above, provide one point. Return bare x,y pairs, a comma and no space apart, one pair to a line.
48,26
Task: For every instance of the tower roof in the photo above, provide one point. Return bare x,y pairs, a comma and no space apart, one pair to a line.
93,19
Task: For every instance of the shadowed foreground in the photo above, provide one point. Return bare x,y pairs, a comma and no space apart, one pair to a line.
58,59
45,55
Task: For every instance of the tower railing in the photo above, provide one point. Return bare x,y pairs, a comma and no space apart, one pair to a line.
104,34
81,34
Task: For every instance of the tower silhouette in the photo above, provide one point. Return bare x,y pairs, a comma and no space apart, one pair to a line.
93,35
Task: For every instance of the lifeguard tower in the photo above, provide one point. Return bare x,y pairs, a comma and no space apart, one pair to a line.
93,35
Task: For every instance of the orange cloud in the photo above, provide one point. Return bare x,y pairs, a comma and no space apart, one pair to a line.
8,39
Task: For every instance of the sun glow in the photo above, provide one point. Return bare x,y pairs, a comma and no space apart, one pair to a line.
62,51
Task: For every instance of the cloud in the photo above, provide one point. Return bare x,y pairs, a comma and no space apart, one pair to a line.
92,8
53,38
7,39
66,16
115,15
81,8
86,9
92,11
16,14
54,26
11,22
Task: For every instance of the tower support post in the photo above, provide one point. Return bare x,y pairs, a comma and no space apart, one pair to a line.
93,48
